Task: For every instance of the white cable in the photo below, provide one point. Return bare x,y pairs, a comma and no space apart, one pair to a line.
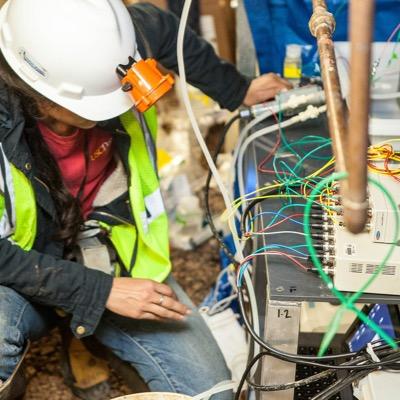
310,113
222,304
212,166
242,137
192,118
218,388
207,155
216,305
371,352
385,96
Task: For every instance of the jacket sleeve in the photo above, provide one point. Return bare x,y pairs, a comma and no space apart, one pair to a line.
69,286
157,32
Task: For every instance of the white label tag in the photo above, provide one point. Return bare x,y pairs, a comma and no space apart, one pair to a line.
154,206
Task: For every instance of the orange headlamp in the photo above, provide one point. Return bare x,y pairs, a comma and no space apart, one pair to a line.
144,82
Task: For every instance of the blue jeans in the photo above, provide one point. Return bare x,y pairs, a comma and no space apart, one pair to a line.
180,357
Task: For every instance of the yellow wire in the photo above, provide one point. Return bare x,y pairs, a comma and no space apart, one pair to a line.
380,151
240,200
385,142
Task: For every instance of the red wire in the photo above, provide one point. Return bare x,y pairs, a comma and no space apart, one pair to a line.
277,253
269,156
273,150
298,263
389,171
328,172
388,153
281,222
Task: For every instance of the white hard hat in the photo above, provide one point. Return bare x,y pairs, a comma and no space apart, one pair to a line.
68,51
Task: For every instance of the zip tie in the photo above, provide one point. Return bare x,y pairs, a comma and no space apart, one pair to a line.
355,205
371,352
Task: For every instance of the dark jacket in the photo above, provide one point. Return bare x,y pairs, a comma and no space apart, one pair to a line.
41,275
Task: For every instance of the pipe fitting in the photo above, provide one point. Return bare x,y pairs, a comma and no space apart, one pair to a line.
355,205
321,18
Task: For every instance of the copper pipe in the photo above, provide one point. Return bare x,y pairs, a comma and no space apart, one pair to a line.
320,3
322,26
355,200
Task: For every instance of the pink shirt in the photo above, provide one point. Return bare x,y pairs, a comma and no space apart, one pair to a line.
69,152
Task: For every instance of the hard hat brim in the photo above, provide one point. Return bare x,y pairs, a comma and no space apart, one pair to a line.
98,108
95,108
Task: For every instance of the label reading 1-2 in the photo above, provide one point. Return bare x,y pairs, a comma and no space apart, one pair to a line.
284,314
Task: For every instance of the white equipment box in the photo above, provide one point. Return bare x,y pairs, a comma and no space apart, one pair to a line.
353,259
379,385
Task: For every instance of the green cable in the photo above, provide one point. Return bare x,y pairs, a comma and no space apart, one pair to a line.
290,146
315,138
283,136
394,56
299,163
314,141
348,301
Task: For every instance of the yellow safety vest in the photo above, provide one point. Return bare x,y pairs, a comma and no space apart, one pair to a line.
143,247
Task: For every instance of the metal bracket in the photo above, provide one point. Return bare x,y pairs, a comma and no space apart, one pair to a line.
282,325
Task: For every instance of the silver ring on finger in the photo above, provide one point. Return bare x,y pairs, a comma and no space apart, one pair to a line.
161,301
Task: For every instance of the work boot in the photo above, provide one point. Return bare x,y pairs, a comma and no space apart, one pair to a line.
14,387
86,375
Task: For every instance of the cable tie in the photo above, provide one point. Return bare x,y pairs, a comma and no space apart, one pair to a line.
370,350
355,205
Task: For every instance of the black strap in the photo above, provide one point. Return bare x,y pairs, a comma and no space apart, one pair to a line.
7,198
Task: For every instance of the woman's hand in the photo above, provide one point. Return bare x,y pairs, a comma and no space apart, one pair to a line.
145,299
265,88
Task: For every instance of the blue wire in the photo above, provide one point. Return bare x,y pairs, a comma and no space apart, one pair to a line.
284,208
282,246
276,214
266,248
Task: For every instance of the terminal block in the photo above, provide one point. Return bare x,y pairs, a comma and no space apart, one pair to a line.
353,259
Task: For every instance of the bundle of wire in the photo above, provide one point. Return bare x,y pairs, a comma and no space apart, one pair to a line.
313,188
291,186
357,368
297,188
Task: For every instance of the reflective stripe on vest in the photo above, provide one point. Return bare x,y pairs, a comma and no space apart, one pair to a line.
151,248
17,205
143,248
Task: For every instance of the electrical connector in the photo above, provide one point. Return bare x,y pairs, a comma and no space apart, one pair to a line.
288,100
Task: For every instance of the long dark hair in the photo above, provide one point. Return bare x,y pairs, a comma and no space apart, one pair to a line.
47,170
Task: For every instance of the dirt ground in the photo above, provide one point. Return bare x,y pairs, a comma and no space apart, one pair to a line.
194,270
